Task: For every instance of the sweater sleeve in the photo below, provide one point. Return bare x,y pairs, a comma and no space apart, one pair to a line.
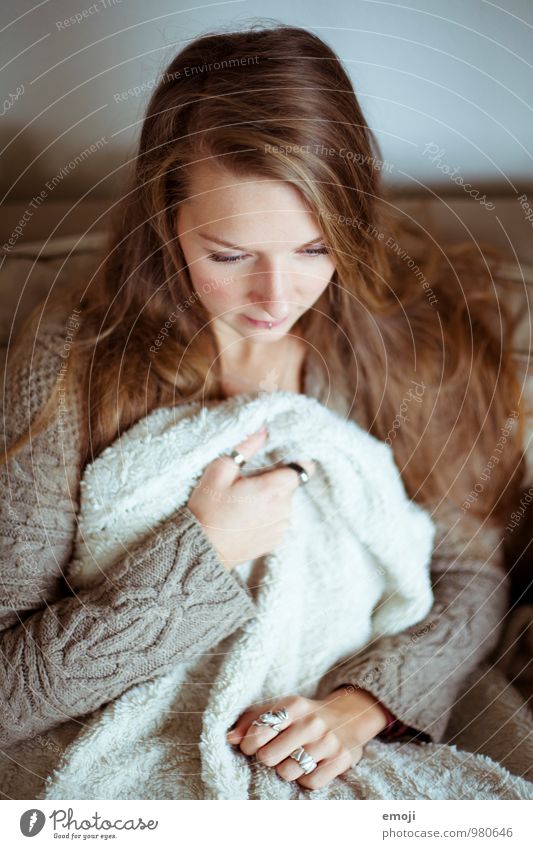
417,674
64,655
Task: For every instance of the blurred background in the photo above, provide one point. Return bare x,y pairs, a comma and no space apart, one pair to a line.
446,89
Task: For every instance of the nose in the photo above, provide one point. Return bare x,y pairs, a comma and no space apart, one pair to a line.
271,294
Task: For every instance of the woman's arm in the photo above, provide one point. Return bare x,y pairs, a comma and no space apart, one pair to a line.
63,656
417,674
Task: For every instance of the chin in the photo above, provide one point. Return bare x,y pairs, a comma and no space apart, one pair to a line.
264,337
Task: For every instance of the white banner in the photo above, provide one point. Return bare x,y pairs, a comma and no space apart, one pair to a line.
361,825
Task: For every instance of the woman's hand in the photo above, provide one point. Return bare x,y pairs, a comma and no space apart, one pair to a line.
244,517
332,730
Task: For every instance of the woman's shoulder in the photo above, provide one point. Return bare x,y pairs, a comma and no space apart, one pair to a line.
34,365
39,481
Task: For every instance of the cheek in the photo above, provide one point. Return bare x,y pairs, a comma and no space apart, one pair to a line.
217,289
314,286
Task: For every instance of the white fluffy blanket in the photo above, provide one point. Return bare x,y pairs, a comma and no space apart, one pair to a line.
354,565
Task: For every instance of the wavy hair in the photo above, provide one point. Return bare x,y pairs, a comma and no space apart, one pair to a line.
415,337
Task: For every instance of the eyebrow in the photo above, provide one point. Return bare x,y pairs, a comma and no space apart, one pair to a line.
318,238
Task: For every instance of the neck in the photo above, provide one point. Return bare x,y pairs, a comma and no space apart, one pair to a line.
248,366
243,353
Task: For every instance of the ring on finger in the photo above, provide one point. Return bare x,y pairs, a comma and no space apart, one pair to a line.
237,457
301,472
304,760
273,719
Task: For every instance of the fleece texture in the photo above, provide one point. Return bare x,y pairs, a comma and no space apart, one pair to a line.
353,566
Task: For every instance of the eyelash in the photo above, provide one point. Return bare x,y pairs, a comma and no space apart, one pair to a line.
223,258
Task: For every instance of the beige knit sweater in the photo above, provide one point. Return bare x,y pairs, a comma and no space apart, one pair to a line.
62,656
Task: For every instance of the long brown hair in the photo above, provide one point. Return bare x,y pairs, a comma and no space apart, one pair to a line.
416,337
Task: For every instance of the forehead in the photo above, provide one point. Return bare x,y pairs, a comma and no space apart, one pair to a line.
247,207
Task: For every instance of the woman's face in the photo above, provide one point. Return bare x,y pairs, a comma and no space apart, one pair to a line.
255,252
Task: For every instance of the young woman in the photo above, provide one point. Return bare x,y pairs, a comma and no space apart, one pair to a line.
254,250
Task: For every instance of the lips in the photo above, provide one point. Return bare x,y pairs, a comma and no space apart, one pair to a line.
258,323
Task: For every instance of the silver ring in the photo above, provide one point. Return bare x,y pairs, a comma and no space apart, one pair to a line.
270,325
302,474
238,457
307,763
274,719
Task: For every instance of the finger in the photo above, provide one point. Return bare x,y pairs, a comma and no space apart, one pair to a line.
287,741
224,469
257,736
296,707
326,771
309,466
235,734
281,481
249,446
323,750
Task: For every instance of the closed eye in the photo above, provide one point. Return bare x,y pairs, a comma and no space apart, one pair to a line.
225,257
220,257
316,251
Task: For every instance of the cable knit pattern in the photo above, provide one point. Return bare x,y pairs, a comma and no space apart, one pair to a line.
63,656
